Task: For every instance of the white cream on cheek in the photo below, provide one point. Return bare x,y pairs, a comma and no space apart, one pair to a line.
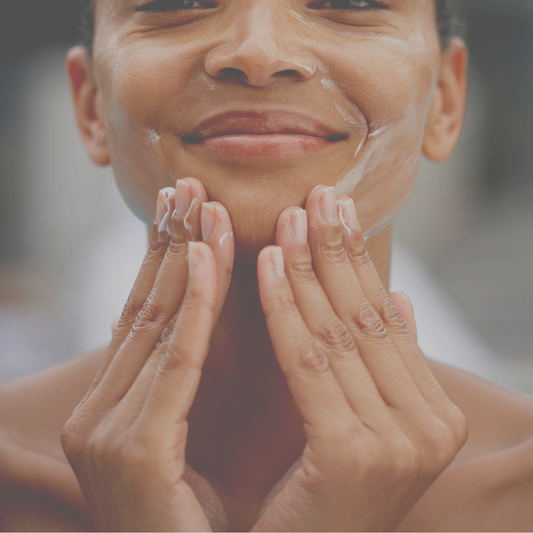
371,152
153,136
392,141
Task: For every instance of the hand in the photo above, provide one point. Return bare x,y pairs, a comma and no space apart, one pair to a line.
379,428
126,440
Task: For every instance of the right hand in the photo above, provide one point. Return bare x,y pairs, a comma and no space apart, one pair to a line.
126,440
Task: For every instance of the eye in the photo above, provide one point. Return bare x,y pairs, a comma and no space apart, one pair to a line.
350,4
172,5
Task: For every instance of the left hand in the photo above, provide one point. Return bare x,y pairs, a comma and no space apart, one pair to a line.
379,428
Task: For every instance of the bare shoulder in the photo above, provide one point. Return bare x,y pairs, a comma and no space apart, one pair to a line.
35,477
489,487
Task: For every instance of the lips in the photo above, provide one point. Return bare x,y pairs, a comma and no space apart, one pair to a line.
263,133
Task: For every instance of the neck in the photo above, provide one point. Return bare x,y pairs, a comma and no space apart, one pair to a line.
245,431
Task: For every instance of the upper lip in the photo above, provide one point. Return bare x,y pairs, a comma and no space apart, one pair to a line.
262,123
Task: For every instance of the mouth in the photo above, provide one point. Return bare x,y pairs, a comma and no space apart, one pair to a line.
263,134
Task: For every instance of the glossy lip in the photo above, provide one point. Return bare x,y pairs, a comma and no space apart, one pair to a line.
274,133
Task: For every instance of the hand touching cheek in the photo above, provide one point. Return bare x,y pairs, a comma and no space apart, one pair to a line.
126,440
379,428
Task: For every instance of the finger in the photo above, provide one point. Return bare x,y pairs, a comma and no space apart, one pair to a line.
395,325
364,383
405,308
114,325
163,301
191,208
179,369
217,232
159,241
303,361
218,235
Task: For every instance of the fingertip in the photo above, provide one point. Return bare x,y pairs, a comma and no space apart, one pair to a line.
197,188
269,262
283,231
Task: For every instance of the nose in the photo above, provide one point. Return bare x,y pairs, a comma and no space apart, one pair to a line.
260,49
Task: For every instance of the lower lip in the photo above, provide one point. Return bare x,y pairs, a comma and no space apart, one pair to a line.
273,145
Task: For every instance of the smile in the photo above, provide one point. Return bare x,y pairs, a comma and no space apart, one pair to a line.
263,134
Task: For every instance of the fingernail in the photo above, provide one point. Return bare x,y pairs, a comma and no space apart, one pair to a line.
349,215
328,205
298,226
165,200
208,220
183,198
277,262
194,256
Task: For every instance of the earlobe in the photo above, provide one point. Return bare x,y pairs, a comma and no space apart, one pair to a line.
87,105
446,115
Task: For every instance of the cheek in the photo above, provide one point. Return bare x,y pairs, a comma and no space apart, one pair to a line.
392,87
147,94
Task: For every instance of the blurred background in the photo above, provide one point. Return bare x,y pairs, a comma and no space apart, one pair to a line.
70,249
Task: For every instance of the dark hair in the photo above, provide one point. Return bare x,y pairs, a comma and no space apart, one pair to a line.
446,21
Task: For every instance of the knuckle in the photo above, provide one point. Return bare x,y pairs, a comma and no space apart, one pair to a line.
391,317
313,359
408,459
461,429
156,249
336,337
72,439
301,270
359,255
167,332
440,446
283,304
131,455
368,322
178,247
130,310
398,459
333,250
149,316
458,425
173,358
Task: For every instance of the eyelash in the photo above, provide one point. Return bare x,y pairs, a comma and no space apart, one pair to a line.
171,5
369,4
174,5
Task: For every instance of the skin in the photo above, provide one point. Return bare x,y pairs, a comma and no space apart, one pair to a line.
250,386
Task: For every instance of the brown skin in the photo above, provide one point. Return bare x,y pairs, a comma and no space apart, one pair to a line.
245,427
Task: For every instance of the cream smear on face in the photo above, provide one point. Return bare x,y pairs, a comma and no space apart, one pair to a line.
153,136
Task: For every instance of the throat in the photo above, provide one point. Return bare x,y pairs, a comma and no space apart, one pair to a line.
244,429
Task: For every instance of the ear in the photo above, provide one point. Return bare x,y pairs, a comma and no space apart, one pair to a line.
447,112
87,104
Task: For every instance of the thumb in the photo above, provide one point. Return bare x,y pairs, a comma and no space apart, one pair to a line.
405,308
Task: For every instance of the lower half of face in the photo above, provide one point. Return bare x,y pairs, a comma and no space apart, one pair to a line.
346,111
378,174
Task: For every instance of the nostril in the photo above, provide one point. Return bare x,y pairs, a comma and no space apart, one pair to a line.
288,74
232,73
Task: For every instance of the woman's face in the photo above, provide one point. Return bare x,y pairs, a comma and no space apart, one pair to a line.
262,100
